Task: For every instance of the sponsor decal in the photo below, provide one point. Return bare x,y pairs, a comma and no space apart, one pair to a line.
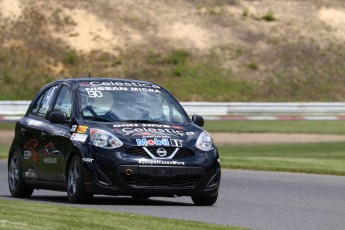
82,129
27,154
156,136
159,162
30,146
147,125
87,159
145,90
50,160
176,143
159,142
35,123
30,173
49,149
119,84
58,132
97,91
79,137
154,141
74,128
156,131
84,83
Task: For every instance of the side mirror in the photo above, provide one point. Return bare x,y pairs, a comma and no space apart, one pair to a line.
198,120
58,117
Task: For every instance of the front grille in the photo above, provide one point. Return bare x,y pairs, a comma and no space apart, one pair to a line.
186,181
183,153
140,152
137,151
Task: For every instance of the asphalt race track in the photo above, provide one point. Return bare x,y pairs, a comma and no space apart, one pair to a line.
258,200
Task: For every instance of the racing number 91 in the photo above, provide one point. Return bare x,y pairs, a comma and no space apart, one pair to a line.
95,93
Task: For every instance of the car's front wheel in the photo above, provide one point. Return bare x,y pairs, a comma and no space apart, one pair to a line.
76,191
16,183
205,200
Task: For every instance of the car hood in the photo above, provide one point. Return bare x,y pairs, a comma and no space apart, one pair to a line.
156,134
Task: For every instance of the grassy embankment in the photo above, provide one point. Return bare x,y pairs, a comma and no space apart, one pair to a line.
319,158
30,215
4,149
312,127
272,61
316,158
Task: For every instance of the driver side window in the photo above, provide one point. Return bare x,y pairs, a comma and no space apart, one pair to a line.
64,101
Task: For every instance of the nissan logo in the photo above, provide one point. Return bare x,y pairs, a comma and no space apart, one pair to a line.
161,152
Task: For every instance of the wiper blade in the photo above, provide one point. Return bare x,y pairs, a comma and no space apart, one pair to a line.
141,121
98,118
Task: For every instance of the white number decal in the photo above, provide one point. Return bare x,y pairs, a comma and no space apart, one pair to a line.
95,93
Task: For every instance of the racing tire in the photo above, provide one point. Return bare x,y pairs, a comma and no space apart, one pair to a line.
76,190
205,200
16,183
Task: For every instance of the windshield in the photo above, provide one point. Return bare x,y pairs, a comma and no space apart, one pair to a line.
145,103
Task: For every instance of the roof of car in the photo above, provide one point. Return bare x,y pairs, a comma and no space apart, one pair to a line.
76,80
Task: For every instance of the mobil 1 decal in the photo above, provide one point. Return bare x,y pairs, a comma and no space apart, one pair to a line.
159,142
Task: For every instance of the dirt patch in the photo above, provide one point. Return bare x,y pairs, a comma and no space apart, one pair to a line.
85,32
335,19
11,9
6,138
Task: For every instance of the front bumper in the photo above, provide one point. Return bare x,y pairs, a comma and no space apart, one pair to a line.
118,176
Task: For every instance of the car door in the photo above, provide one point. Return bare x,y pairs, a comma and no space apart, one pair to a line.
55,139
30,128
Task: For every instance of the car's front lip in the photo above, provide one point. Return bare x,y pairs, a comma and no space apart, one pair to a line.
114,174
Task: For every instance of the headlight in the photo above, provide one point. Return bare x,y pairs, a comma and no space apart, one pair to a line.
104,139
204,141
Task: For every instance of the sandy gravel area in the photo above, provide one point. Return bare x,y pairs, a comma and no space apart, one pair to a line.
6,138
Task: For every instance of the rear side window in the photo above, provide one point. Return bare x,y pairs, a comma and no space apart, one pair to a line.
42,105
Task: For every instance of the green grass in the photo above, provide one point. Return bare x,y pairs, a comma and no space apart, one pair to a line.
315,127
7,125
269,16
4,149
29,215
317,158
4,152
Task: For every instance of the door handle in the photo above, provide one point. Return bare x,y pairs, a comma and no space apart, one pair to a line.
23,131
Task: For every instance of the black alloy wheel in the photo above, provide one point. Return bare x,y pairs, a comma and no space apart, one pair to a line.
16,183
76,191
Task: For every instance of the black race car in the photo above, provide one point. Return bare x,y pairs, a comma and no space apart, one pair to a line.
115,137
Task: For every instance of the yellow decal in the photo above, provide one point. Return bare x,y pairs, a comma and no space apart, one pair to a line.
81,129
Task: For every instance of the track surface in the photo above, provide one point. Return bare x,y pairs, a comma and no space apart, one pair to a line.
258,200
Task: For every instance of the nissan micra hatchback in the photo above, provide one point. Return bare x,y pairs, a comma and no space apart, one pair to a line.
114,137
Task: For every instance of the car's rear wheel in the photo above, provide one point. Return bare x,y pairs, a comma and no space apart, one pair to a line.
205,200
16,183
76,191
